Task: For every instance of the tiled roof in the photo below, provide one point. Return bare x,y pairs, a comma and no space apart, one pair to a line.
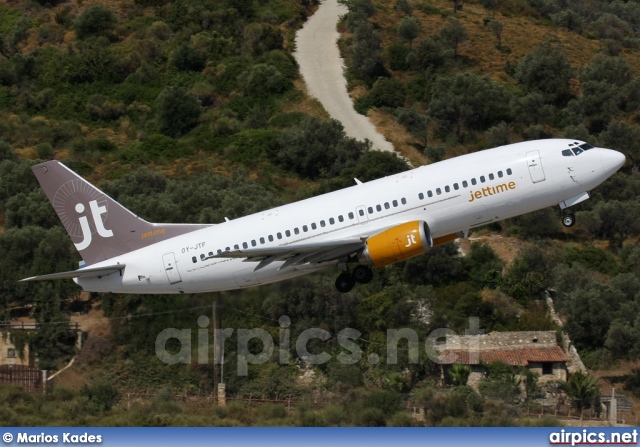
511,356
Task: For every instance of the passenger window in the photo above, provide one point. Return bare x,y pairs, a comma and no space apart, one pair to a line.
253,243
482,179
323,223
287,233
270,238
455,186
305,228
378,208
491,176
314,226
429,193
262,240
279,235
236,247
447,189
403,201
351,216
227,249
386,205
332,221
395,203
245,245
361,212
340,218
473,181
438,191
465,184
370,209
509,171
296,230
211,253
421,196
194,259
202,257
500,174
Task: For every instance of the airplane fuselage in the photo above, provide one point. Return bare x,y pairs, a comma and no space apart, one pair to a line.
451,196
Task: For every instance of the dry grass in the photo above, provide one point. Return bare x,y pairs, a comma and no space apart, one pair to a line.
521,34
398,136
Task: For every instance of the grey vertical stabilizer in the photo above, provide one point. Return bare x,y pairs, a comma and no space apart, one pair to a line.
99,227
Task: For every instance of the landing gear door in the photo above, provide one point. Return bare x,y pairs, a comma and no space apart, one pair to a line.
535,167
170,266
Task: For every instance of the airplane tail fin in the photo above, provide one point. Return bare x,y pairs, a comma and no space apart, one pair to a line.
99,227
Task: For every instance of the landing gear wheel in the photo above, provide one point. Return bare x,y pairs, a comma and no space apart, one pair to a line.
345,282
568,220
362,274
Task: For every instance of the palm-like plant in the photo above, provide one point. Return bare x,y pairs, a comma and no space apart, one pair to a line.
582,389
459,374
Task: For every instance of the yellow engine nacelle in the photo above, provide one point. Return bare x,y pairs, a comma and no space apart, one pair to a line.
396,244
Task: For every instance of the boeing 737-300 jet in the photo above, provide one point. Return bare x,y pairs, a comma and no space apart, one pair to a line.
376,223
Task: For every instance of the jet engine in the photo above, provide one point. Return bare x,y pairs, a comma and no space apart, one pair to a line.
396,244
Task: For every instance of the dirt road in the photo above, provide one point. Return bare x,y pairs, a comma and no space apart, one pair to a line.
322,69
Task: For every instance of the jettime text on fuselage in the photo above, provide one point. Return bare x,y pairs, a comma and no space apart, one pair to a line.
491,190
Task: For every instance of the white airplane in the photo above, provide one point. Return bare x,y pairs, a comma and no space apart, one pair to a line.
376,223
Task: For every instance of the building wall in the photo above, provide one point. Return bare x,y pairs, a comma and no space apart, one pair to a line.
528,339
559,372
9,354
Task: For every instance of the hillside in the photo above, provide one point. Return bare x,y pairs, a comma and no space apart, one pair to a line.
193,111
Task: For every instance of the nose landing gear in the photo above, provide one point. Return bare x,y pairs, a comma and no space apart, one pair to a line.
346,281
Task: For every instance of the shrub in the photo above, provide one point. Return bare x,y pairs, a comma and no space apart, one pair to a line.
177,111
95,20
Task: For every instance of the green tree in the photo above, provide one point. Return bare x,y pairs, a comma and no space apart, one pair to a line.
409,29
467,100
453,34
546,70
496,27
318,149
188,58
95,20
177,111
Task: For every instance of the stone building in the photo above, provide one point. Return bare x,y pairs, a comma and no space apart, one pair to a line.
10,353
537,351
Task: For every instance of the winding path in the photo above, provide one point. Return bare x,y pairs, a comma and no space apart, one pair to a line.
322,69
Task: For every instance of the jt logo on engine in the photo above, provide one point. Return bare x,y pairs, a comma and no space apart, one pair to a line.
411,240
96,213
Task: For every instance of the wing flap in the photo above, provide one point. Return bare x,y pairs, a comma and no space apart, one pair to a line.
86,272
296,254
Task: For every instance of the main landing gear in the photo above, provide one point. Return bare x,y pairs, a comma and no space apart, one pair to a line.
346,281
568,220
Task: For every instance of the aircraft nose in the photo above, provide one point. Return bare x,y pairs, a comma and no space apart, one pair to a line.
611,160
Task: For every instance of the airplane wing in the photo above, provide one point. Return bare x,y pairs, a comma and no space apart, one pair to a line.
86,272
297,254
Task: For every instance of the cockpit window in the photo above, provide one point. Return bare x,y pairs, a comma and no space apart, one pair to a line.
577,150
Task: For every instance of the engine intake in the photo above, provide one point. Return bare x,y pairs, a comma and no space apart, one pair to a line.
397,244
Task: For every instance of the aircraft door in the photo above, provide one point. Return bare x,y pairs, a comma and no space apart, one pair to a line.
535,167
361,212
170,266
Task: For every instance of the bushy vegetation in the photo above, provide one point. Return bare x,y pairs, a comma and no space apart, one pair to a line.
188,111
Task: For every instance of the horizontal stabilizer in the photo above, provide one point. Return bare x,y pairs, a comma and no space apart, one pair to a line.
87,272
